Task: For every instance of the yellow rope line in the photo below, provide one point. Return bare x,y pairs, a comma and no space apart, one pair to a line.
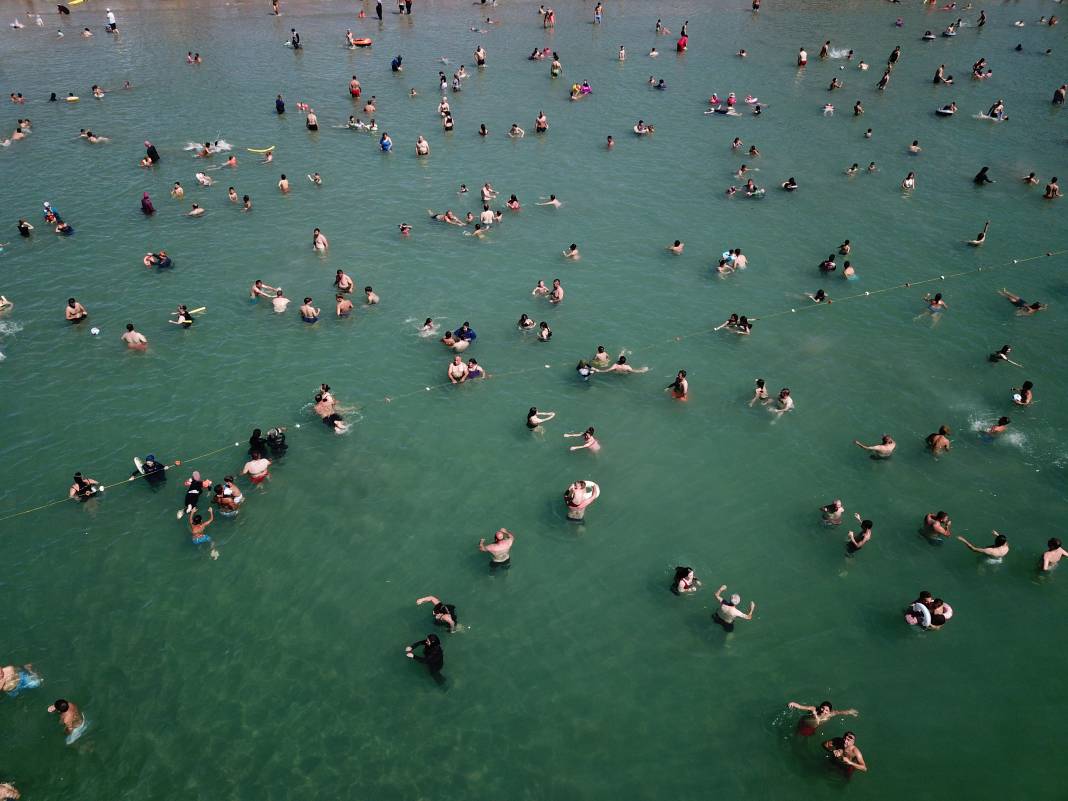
391,398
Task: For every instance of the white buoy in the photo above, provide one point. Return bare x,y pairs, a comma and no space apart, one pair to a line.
94,331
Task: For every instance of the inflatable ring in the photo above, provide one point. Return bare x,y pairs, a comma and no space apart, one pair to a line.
147,260
72,99
945,112
364,42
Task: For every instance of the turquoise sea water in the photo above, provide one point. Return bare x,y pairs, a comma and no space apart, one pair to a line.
278,671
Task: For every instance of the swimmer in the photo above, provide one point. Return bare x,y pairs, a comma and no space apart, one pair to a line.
853,170
195,211
184,318
909,183
541,123
760,394
817,716
74,312
601,358
536,418
515,132
283,184
832,512
998,551
371,297
457,371
556,295
1053,189
405,229
819,296
544,332
621,366
980,237
572,252
319,242
915,147
999,427
728,610
1002,356
178,193
246,203
478,232
1030,179
844,752
680,387
684,581
231,195
315,178
853,543
981,177
1053,555
513,203
742,53
552,201
784,403
939,441
500,549
134,339
69,715
308,312
204,180
1022,306
261,290
429,328
446,217
789,184
268,158
444,614
938,523
343,307
198,525
883,450
871,167
1023,395
83,487
257,468
343,282
525,323
589,441
676,247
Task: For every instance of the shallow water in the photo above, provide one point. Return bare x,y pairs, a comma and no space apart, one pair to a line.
278,670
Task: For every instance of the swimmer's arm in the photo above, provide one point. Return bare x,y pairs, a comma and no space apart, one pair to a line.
427,599
843,712
859,763
580,447
802,707
719,593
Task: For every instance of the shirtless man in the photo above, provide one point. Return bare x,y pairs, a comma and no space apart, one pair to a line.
938,523
881,451
845,753
75,311
1053,189
728,610
69,715
997,551
196,211
134,339
280,302
319,242
980,237
308,312
283,184
343,307
1023,307
588,440
621,366
601,358
422,147
939,441
371,295
552,201
832,513
572,252
457,371
676,247
1053,554
500,549
257,468
557,293
261,290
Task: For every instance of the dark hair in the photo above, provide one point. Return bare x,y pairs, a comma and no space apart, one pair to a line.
1003,421
866,525
1000,539
197,519
61,705
938,620
1026,385
1053,543
849,734
129,326
590,431
827,704
218,489
433,639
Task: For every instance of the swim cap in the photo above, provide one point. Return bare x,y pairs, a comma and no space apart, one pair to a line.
150,458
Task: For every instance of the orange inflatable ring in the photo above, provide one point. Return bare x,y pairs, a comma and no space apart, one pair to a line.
362,42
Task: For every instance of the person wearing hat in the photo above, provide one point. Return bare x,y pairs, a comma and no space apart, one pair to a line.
433,657
112,26
728,610
151,153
